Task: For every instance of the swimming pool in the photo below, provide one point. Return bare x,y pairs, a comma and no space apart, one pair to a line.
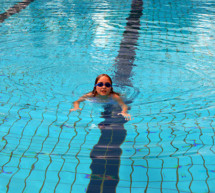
160,55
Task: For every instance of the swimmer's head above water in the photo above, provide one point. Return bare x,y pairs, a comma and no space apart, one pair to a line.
103,86
103,89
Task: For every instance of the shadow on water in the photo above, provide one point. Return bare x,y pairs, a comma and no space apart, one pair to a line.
106,153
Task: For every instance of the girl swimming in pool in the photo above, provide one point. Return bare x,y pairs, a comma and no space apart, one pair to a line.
103,91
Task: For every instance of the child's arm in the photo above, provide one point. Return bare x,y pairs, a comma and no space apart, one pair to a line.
123,106
77,103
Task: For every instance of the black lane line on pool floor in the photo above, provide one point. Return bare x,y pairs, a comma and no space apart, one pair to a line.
15,9
107,152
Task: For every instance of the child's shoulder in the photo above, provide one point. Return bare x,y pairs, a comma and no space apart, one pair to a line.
88,95
115,96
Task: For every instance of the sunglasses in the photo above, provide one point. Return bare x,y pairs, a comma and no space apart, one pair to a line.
100,84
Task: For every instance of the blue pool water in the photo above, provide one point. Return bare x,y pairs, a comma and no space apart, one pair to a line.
160,54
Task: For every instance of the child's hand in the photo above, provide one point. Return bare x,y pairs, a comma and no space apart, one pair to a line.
75,109
126,115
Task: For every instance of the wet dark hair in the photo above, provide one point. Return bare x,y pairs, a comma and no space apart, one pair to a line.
96,81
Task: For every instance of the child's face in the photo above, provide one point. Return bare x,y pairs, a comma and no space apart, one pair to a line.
103,91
